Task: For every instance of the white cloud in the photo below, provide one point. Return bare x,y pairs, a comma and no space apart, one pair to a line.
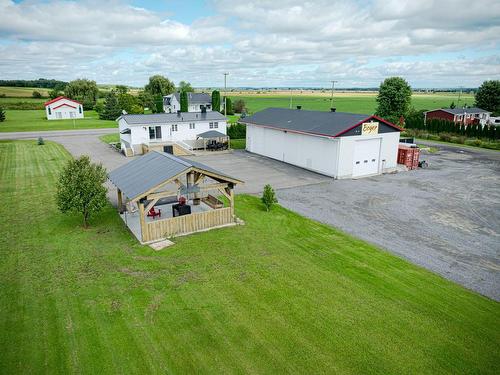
262,43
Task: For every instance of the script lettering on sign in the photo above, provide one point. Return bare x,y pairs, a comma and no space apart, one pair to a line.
368,128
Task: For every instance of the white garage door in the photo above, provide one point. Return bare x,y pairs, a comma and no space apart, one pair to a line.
366,157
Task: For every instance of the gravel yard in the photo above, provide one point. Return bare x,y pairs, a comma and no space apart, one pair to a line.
445,218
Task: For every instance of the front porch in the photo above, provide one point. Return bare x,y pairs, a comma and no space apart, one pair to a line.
152,186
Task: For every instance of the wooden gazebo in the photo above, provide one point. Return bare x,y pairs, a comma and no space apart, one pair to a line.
173,195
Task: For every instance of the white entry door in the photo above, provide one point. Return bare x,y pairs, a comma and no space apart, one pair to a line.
366,157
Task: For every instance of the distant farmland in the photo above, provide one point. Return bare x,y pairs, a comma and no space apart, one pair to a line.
345,102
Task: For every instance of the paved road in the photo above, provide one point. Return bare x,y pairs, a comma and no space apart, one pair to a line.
57,133
445,218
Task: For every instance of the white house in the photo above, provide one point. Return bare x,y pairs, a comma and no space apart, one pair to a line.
176,133
336,144
196,102
63,108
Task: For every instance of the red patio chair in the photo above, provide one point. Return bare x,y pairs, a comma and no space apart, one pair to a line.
152,213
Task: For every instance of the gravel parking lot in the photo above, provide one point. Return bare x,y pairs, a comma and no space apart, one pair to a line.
445,218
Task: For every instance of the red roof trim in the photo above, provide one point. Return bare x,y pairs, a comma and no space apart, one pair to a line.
59,98
369,118
64,104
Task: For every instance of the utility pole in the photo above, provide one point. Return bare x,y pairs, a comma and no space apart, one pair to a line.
331,99
290,98
459,95
225,94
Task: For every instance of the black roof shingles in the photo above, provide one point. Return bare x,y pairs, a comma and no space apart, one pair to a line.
313,122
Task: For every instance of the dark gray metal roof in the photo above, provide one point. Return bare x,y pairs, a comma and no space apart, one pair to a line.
193,97
147,171
313,122
167,118
461,111
211,134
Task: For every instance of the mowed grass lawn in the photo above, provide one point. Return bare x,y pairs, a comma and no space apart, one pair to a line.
279,294
355,103
34,120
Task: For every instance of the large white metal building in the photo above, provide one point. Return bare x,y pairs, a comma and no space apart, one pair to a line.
336,144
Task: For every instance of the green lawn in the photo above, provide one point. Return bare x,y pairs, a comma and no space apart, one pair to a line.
279,294
33,120
238,144
110,138
356,103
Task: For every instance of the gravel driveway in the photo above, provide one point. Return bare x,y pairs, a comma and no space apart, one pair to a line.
445,218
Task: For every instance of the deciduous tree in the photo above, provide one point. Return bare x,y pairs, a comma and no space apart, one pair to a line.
394,98
185,86
84,91
159,85
80,188
488,96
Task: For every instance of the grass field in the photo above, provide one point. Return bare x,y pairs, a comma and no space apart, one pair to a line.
356,103
32,120
110,138
279,294
22,92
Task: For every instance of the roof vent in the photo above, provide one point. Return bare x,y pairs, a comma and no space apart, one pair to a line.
299,107
333,109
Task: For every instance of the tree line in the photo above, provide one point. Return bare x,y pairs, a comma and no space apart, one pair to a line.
39,83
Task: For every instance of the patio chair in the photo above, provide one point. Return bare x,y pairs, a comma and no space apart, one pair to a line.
153,213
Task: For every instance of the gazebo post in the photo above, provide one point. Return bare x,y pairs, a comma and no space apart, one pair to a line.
120,201
142,221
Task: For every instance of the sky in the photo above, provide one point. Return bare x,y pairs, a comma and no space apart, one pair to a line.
263,43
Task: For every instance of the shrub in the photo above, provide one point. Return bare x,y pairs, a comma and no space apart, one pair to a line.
239,106
474,142
36,94
2,114
445,137
237,131
40,142
268,197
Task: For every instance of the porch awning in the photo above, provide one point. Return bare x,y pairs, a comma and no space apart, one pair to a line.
212,134
125,131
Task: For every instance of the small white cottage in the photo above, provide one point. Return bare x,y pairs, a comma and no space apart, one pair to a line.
63,108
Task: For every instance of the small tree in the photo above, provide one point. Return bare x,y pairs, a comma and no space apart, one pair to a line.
184,101
111,110
229,106
216,100
36,94
40,142
239,106
54,93
452,105
158,104
2,115
80,188
268,197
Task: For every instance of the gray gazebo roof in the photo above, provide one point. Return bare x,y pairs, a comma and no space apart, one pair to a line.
144,173
211,134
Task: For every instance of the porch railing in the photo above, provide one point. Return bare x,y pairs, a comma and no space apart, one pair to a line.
158,229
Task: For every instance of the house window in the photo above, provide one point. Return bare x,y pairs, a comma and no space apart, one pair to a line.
50,111
191,125
80,108
174,127
155,132
216,125
211,125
